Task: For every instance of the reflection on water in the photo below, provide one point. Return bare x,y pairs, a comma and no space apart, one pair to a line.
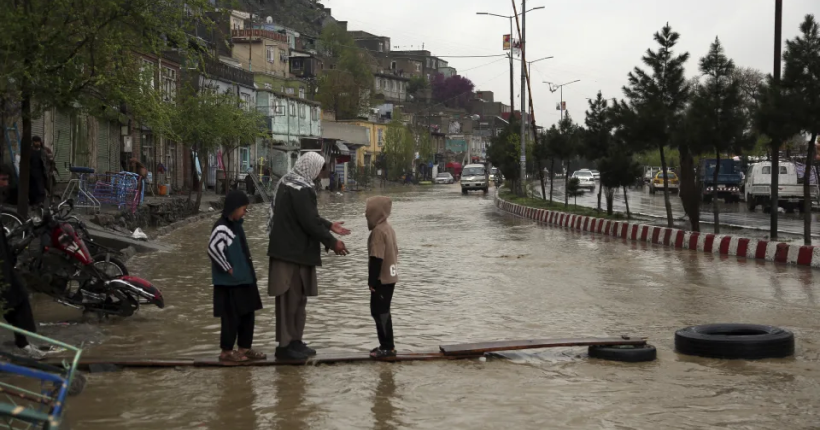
468,273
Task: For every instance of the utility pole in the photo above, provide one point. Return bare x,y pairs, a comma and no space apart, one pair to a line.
523,96
778,29
512,76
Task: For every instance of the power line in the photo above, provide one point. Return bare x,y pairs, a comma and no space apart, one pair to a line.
469,56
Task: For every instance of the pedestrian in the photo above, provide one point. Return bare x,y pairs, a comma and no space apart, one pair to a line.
382,268
296,233
39,172
249,184
236,295
14,294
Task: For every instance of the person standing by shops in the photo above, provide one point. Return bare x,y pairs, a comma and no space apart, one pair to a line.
297,233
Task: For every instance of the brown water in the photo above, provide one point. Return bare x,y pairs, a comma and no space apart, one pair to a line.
469,273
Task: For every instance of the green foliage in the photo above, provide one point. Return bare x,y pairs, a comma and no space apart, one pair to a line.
801,76
348,87
505,151
425,144
399,148
573,189
545,204
417,84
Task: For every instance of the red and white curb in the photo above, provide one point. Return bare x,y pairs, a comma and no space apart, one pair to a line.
704,242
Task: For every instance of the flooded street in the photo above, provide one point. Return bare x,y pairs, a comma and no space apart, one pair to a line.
467,273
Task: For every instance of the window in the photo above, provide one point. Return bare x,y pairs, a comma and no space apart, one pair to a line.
289,91
314,114
783,170
268,86
279,109
381,47
244,158
302,113
282,90
292,109
270,54
767,170
301,93
392,65
147,72
381,137
418,67
169,83
246,100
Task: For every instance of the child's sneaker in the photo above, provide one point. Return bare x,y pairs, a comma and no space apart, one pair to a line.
33,353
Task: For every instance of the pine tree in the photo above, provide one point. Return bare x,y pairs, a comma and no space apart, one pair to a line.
598,136
801,78
657,98
716,113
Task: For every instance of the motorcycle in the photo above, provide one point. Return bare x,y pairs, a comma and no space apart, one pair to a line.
62,267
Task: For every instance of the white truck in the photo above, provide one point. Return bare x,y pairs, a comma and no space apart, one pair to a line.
758,188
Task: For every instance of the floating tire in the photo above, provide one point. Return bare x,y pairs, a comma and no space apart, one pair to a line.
625,353
735,341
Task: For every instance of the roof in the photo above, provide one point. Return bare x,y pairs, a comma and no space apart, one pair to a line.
392,76
289,96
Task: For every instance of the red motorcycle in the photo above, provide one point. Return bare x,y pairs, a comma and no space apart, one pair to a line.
62,267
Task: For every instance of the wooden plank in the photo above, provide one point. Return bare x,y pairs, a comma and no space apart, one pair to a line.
85,363
511,345
334,358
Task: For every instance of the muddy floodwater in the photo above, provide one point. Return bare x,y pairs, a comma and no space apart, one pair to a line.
468,273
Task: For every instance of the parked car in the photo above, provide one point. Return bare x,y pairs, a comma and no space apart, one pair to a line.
789,189
649,173
729,181
585,179
445,178
657,182
596,175
473,178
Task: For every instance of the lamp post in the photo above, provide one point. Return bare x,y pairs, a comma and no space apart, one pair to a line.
510,17
561,87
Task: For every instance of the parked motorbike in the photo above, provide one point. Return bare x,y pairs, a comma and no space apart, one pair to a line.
62,267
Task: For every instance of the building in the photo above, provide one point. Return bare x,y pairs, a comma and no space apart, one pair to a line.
390,87
342,142
448,71
262,51
376,132
429,64
294,124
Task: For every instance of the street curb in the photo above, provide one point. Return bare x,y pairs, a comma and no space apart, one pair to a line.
703,242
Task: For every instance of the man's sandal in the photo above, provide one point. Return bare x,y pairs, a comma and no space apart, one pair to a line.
233,357
253,354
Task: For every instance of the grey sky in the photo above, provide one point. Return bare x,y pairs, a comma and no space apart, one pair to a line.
597,41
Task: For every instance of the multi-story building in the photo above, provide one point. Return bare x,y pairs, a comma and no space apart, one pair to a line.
377,132
292,122
430,65
262,51
392,87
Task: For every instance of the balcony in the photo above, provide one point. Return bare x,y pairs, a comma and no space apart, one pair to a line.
258,34
218,70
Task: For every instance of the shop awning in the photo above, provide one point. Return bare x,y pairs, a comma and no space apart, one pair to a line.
343,150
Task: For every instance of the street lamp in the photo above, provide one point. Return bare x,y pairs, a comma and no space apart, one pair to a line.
510,17
561,87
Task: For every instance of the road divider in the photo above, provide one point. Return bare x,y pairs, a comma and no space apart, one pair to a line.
704,242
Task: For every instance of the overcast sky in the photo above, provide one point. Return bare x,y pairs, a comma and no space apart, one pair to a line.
596,41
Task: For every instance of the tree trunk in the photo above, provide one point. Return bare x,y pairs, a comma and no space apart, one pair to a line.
626,202
715,206
807,191
566,187
25,152
610,196
227,165
666,202
203,162
541,177
552,176
689,191
600,190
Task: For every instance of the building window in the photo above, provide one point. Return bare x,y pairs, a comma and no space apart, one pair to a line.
268,86
302,113
271,54
147,72
392,65
289,91
418,67
381,47
279,109
169,84
282,90
244,158
381,137
301,93
314,114
292,110
246,100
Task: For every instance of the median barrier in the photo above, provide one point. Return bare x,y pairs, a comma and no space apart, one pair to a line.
703,242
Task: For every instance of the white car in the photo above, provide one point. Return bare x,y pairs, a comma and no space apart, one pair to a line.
474,178
596,175
585,179
445,178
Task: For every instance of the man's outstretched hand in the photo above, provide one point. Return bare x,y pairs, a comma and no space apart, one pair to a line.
340,248
338,229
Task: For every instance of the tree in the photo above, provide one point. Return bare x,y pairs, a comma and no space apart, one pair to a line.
424,145
656,100
60,53
564,143
347,88
399,147
716,112
504,152
541,152
417,84
801,78
453,92
598,136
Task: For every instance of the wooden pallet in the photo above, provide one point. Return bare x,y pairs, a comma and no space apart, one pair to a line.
446,352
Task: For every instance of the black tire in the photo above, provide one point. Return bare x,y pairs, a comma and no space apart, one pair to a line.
464,191
707,199
750,203
735,341
624,353
113,262
651,190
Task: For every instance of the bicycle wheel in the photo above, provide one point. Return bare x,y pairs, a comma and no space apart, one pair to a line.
10,221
